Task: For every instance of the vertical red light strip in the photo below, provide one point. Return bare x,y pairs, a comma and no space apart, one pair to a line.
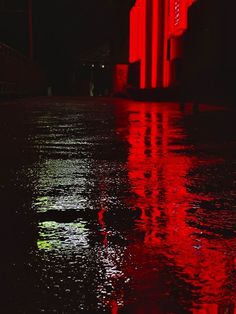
172,15
137,32
143,43
154,42
166,66
184,15
132,35
139,29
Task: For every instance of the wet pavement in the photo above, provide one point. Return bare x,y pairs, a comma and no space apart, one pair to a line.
114,206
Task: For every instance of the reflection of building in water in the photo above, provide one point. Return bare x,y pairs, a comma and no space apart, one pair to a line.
158,167
162,258
157,176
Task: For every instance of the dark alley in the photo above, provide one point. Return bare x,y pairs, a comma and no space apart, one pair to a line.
118,156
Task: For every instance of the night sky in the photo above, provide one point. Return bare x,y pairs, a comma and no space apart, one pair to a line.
70,27
65,29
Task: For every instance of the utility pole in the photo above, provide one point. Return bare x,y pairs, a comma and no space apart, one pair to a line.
30,29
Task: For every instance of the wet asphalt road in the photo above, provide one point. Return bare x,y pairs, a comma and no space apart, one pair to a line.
113,206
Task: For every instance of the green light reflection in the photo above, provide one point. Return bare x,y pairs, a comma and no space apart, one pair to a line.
62,236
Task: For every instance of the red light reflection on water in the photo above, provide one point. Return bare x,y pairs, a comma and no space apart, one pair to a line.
158,166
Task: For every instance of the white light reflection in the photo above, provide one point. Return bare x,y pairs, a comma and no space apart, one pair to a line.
109,291
62,188
65,186
62,185
55,236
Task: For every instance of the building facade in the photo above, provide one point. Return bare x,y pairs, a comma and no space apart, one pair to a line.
156,41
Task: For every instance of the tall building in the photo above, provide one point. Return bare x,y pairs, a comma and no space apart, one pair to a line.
183,45
156,37
209,63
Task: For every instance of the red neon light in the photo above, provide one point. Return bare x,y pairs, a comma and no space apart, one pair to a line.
175,15
138,38
143,43
155,42
166,65
134,45
139,27
131,36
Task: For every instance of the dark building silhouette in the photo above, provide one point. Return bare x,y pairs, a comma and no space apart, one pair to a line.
209,64
14,24
19,75
183,45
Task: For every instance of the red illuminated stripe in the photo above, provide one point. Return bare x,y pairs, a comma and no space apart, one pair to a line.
132,35
166,66
183,15
154,42
133,42
143,43
139,30
136,31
